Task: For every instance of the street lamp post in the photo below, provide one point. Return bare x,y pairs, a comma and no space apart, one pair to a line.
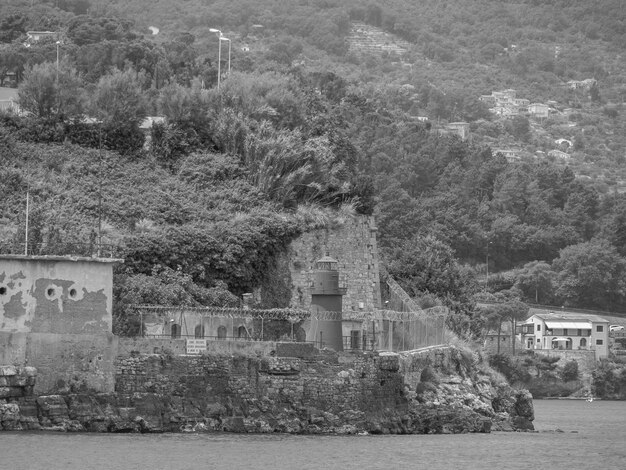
58,44
487,270
219,55
221,38
229,41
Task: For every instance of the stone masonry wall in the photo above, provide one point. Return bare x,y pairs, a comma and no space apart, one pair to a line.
16,383
263,395
353,245
441,390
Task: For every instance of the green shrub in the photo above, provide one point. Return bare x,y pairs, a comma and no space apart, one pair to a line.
512,369
570,371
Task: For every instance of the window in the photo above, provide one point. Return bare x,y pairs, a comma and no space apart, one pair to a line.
175,332
580,332
538,327
583,343
565,333
221,332
599,342
599,328
199,331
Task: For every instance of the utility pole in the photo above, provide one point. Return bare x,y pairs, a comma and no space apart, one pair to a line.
26,231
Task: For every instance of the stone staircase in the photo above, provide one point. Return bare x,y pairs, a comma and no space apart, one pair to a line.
366,38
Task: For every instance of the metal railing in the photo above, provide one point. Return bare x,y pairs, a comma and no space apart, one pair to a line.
73,248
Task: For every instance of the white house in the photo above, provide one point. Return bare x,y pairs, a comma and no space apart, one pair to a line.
559,155
538,110
566,331
511,155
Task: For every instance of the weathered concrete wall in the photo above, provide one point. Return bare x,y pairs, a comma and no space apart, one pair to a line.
55,294
353,245
66,363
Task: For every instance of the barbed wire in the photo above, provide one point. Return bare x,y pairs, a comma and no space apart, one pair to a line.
291,314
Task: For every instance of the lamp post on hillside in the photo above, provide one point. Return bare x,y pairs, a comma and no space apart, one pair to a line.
219,55
58,44
487,270
222,38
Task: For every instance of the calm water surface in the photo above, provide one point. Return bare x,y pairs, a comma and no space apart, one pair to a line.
593,437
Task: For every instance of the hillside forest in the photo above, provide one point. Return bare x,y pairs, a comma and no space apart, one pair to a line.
306,129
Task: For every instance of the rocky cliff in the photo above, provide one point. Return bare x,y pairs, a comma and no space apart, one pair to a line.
438,390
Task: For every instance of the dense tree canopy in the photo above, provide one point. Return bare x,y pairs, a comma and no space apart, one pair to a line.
304,123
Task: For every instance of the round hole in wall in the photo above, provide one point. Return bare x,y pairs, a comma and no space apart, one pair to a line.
3,290
72,293
50,292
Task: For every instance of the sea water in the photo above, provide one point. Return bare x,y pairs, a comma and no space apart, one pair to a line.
572,434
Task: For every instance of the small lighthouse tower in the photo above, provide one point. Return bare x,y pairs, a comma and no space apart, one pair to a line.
326,296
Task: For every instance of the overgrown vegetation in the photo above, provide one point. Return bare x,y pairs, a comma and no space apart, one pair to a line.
542,375
304,126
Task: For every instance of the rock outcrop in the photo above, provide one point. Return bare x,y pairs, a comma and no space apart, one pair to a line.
438,390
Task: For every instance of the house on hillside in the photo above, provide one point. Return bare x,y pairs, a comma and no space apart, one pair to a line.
511,155
493,337
538,110
35,36
565,331
489,100
8,100
581,84
462,129
9,106
504,111
146,128
559,155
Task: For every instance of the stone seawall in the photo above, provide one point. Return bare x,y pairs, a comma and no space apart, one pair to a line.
441,390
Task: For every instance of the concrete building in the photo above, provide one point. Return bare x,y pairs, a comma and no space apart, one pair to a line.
8,100
511,155
565,331
462,129
559,155
56,315
538,110
56,294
